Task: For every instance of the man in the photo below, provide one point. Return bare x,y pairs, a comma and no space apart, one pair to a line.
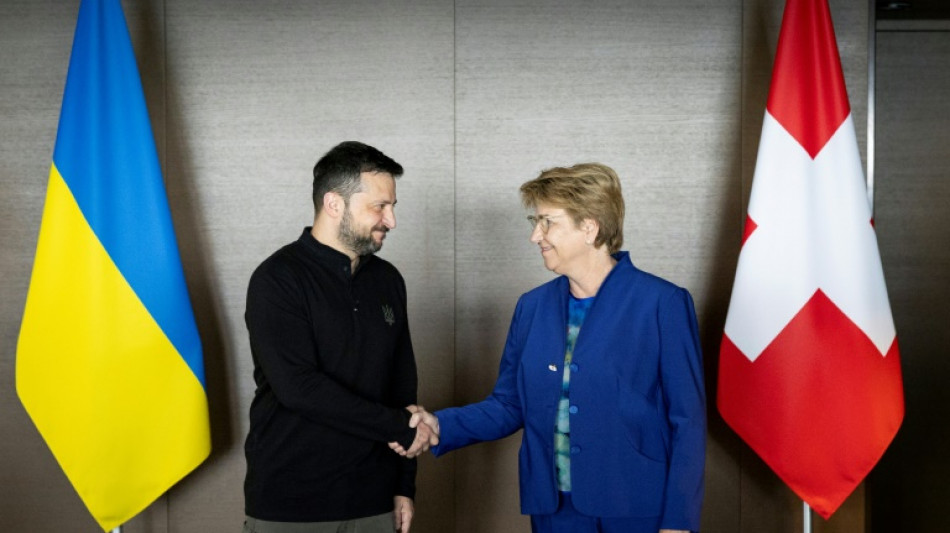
333,364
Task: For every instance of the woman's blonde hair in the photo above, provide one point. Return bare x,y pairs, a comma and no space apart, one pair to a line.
587,190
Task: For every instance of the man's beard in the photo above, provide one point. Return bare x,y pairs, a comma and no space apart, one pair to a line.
360,244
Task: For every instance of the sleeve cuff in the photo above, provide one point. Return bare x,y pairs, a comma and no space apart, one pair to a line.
407,435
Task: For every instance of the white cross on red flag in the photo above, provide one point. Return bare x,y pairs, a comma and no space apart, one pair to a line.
809,371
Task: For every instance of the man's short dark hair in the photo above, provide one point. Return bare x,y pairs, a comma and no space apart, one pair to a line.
339,170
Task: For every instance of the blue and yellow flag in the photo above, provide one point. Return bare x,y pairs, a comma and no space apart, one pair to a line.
109,363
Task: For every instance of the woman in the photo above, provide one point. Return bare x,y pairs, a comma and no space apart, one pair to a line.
602,368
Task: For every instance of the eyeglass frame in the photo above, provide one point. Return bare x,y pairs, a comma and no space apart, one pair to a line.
543,220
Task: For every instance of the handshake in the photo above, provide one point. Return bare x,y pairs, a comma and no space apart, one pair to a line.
427,433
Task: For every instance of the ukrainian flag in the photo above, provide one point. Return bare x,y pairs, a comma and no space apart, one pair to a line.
109,363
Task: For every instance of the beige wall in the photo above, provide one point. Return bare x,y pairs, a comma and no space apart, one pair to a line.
473,99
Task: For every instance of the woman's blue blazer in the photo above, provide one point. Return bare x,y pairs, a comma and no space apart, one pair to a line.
638,422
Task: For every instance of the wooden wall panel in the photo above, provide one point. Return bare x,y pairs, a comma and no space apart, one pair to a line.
649,88
908,490
473,98
258,91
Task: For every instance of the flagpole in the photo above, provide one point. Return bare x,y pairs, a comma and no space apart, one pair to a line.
806,521
872,68
117,529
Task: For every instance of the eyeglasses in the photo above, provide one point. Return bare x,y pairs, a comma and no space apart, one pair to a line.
543,220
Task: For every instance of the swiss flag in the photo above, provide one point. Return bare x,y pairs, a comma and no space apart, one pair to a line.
809,372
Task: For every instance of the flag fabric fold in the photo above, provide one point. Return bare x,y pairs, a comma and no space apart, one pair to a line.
809,372
109,362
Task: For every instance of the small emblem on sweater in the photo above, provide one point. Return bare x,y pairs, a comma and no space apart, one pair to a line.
388,315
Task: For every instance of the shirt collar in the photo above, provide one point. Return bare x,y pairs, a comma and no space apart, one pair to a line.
338,260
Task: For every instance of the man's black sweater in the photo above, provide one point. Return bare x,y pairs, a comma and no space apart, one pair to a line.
334,369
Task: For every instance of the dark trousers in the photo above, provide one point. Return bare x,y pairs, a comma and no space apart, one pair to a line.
568,520
372,524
